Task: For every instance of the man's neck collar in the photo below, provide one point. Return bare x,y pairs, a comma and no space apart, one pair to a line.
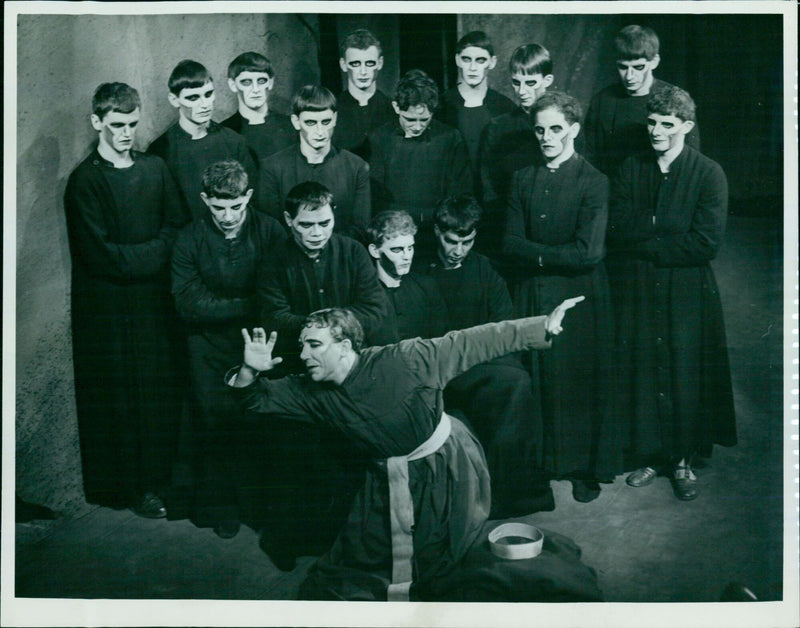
386,279
118,160
644,90
665,159
564,156
362,96
473,96
254,116
195,131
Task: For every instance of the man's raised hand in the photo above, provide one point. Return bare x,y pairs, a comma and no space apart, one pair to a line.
258,350
553,323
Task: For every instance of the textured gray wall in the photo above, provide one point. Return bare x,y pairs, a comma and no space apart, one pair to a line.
60,61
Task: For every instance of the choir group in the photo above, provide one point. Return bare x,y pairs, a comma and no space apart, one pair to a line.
443,307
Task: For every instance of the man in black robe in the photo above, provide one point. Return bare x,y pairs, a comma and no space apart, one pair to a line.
508,143
616,121
123,211
312,470
315,158
362,106
416,309
667,219
214,269
497,396
251,78
416,161
472,104
195,142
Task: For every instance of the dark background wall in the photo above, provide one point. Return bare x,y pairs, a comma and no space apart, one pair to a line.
731,64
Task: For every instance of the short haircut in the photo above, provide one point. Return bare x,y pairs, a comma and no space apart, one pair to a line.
417,88
313,98
560,101
188,74
530,59
636,42
390,224
460,213
479,39
110,97
225,179
308,195
250,62
360,39
669,100
342,324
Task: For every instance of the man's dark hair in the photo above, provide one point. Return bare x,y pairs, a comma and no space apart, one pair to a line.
313,98
308,195
417,88
188,74
360,39
560,101
250,62
530,59
389,224
636,42
225,179
110,97
460,214
479,39
342,324
672,101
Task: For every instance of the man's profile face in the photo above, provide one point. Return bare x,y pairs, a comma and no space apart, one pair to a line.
667,131
117,130
453,248
320,352
228,214
637,75
554,133
361,66
315,127
529,87
252,89
195,104
395,254
311,228
473,65
414,120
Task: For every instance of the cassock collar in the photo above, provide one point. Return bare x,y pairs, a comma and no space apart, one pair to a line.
426,136
209,224
99,160
213,127
331,154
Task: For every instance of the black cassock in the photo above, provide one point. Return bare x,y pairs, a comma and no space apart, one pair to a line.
121,224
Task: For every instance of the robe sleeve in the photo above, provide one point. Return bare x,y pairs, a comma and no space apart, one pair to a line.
459,172
438,361
275,309
701,242
194,301
270,189
627,224
592,133
583,251
362,204
370,303
284,398
87,200
498,298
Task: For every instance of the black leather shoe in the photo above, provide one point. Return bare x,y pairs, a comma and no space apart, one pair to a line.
150,506
684,484
585,491
227,529
641,477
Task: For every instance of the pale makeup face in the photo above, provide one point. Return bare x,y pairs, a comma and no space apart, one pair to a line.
667,132
117,130
637,75
228,214
195,104
395,255
473,65
252,89
414,120
315,127
453,248
361,67
554,134
528,87
321,354
311,228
